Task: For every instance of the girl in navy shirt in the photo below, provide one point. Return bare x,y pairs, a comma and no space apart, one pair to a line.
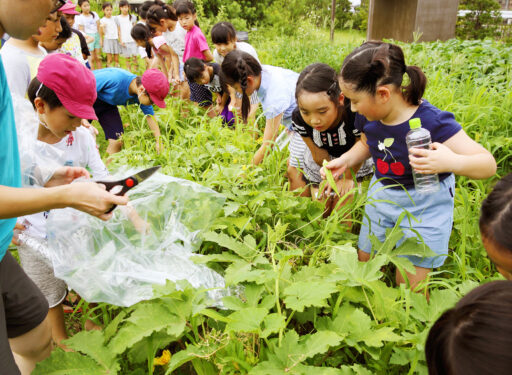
326,124
371,77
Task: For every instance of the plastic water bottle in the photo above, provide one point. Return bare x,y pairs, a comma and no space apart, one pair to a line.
419,137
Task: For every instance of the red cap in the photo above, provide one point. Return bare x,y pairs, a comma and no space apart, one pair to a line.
72,82
156,85
68,8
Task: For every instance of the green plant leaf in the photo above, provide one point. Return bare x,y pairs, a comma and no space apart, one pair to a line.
243,249
146,319
302,294
91,343
388,142
72,363
246,320
272,323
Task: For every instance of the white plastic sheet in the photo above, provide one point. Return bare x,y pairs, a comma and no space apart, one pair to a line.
119,261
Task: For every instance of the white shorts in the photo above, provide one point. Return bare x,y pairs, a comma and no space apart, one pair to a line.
129,50
297,149
111,46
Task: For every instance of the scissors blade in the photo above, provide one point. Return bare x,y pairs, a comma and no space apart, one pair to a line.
142,175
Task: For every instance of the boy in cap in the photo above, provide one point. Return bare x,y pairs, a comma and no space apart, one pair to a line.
24,326
115,87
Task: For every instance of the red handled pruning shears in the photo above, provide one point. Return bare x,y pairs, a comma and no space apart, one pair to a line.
128,183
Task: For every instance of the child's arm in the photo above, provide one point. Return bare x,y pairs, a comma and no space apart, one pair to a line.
102,34
319,154
175,63
269,135
153,125
459,154
207,55
350,159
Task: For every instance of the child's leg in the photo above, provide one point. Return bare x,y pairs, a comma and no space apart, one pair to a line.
414,280
116,59
114,146
109,59
297,149
135,64
56,318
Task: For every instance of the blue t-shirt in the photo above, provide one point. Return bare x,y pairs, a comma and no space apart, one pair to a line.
10,173
277,93
389,149
112,86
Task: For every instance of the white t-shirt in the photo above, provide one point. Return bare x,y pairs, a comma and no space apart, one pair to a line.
80,151
126,23
240,46
176,39
88,22
20,67
109,27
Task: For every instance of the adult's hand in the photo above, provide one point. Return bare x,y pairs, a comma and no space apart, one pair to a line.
92,198
66,175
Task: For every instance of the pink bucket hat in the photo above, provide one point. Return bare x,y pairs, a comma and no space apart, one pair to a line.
72,82
156,85
69,8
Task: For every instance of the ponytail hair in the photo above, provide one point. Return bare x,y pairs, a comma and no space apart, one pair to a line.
160,11
376,63
236,67
496,214
142,32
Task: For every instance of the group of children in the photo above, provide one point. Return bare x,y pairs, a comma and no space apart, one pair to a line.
344,118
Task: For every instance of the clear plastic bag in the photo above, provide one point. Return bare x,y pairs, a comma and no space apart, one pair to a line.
120,260
38,160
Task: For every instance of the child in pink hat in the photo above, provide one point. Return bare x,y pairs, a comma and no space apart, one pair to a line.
60,108
119,87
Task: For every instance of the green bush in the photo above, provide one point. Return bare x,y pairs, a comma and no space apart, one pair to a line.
483,21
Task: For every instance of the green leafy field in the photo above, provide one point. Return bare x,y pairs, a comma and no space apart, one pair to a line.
309,307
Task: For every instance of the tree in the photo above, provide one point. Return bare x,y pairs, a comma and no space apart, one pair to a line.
483,20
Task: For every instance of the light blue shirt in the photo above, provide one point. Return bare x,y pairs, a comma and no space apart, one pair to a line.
112,86
10,173
277,93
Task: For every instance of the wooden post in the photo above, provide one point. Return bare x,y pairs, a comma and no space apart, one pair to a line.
333,18
399,19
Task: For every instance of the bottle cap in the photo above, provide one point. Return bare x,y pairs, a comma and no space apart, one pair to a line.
415,123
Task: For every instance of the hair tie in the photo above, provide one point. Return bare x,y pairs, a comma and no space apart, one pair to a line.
332,89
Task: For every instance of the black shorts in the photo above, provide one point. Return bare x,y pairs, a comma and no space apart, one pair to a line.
109,118
22,308
200,94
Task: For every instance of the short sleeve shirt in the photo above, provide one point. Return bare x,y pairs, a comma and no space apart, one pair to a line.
110,27
277,93
337,140
88,22
214,86
158,42
79,150
125,24
112,85
240,46
20,67
176,39
10,174
388,146
195,44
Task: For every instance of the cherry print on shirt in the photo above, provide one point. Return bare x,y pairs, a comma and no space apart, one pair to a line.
382,166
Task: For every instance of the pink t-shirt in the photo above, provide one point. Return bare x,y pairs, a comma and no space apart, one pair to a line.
159,41
195,44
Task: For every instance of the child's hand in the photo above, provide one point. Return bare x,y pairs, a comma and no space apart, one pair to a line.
336,166
438,159
66,175
218,109
15,237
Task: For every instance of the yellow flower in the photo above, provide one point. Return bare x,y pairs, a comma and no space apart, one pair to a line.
235,161
244,167
163,359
